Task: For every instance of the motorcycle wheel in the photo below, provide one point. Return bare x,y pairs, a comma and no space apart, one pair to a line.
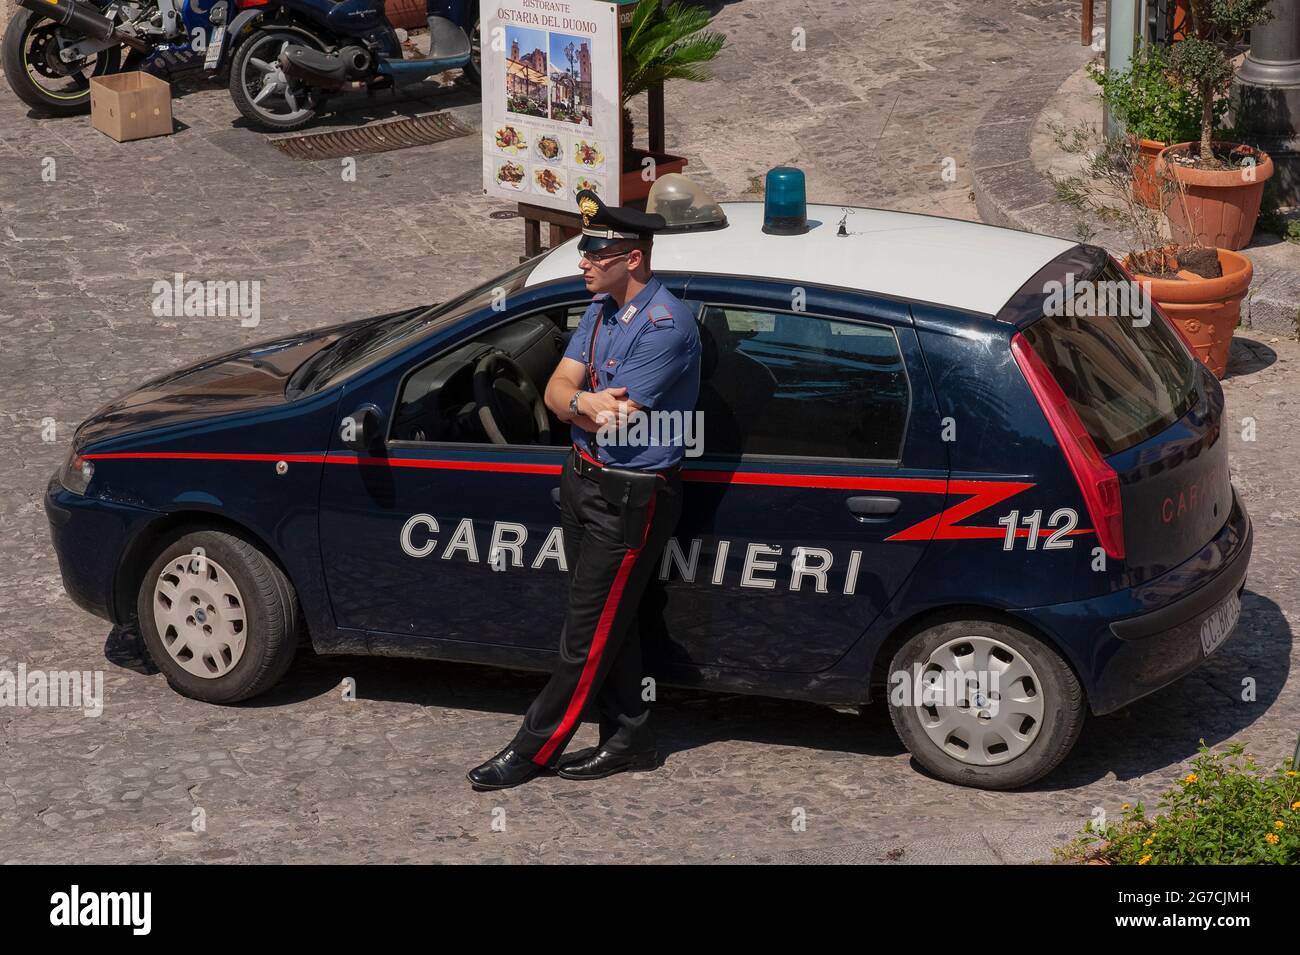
29,54
263,94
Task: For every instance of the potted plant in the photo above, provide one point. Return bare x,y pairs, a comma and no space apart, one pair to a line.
660,43
1222,181
1153,108
1200,288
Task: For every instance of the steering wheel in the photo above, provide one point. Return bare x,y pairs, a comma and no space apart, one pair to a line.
508,405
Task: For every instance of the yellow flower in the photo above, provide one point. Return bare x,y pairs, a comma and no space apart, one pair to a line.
1292,773
1124,807
1271,839
1147,843
1190,778
1296,804
1147,858
1279,824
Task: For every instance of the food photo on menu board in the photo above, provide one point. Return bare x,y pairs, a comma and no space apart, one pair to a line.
549,148
551,108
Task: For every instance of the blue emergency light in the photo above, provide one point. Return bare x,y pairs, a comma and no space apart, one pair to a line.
785,202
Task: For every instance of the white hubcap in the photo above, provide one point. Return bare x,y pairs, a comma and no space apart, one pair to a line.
199,614
979,700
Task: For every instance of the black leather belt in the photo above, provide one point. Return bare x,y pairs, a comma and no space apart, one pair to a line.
589,469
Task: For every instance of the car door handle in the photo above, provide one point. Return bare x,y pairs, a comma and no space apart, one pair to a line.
870,508
555,496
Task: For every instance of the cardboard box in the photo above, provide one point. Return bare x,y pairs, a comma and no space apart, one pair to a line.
129,106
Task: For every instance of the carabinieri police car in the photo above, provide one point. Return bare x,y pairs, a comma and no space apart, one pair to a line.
917,480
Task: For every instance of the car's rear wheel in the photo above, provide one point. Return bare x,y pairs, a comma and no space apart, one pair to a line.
219,618
984,704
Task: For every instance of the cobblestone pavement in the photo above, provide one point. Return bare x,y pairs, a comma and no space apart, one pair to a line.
870,111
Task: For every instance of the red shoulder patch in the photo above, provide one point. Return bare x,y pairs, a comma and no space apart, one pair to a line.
659,313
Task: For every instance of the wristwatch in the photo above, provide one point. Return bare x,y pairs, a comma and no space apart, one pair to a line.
573,403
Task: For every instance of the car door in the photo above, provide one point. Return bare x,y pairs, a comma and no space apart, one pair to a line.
444,536
410,536
821,464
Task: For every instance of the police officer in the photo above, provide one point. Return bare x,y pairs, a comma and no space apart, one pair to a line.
636,352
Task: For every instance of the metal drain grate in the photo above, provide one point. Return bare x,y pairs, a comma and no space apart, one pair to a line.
378,138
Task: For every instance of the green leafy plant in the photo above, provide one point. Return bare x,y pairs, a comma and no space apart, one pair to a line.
1202,61
665,43
1149,102
1102,190
1225,811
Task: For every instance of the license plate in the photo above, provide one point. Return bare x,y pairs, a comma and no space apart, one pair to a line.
1219,624
214,48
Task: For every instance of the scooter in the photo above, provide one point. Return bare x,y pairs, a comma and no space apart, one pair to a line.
287,56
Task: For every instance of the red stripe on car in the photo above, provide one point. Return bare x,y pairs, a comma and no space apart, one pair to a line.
980,495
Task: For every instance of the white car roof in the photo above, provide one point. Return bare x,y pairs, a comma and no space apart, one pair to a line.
915,257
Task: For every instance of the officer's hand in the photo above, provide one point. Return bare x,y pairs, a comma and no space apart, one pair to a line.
608,405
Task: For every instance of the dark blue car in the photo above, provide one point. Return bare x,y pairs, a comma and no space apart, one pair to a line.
925,477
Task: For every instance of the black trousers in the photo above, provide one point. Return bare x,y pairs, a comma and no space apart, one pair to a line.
600,646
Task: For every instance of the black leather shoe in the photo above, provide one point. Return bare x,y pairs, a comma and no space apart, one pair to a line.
507,768
599,763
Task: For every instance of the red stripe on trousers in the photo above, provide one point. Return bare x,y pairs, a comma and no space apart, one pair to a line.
607,614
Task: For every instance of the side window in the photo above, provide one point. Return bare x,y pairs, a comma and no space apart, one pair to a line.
797,384
439,402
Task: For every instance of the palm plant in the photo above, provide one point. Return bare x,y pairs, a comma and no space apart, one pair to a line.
665,43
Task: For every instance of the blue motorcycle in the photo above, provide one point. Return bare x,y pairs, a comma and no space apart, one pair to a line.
287,56
52,48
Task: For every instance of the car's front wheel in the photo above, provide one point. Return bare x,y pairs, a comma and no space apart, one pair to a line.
219,618
983,704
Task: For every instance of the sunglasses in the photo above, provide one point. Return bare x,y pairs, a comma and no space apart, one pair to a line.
597,258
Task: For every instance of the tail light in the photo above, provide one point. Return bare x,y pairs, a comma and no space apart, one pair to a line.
1097,480
245,4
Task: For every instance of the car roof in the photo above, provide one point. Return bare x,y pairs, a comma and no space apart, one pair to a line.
919,258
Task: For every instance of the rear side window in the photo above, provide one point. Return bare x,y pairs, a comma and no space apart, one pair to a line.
1128,378
783,383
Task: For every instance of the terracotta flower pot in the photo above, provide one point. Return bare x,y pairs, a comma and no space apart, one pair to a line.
1221,205
1207,310
1146,187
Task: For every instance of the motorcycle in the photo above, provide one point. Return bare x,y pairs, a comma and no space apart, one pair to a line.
52,48
286,57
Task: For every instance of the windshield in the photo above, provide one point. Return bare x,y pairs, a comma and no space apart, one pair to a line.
379,339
